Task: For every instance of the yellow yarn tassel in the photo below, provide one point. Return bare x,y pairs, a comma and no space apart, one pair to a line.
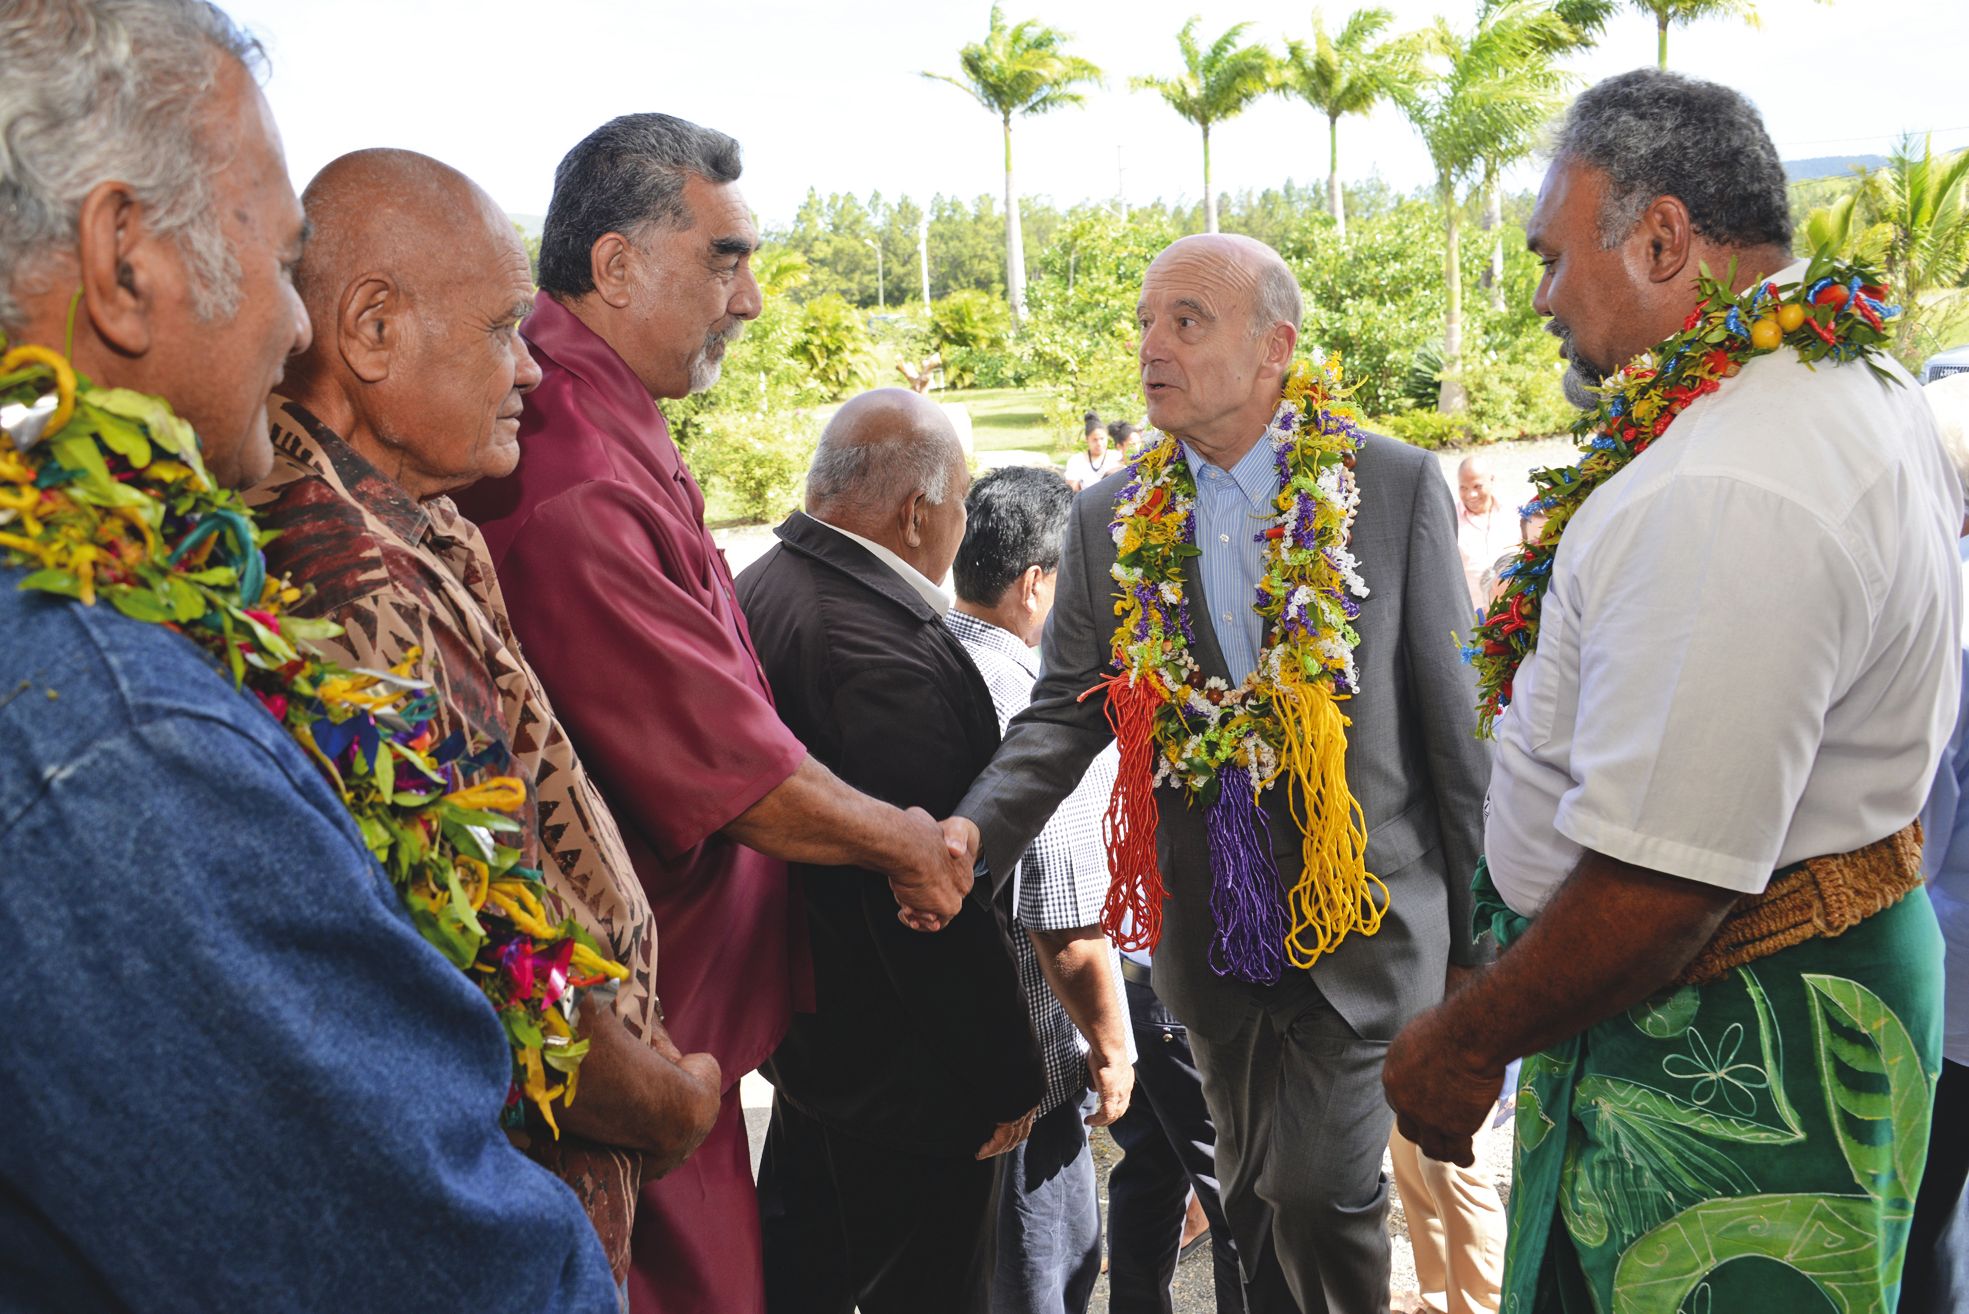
1335,893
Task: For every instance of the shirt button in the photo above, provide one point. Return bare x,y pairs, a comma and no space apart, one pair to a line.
1223,538
1227,615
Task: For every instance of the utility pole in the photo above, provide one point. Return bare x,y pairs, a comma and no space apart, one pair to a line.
923,256
881,298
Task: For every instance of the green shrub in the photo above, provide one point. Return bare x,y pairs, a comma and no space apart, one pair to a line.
969,328
757,463
1423,427
834,347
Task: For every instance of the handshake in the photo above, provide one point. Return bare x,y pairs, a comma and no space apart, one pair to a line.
932,870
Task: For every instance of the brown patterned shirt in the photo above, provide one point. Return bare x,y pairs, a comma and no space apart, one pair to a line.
400,575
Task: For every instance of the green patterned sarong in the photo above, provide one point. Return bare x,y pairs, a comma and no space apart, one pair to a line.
1750,1146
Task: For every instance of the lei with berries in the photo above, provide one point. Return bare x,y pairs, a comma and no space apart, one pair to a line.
104,497
1224,746
1836,313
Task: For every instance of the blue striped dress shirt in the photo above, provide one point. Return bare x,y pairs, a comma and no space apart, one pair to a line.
1233,508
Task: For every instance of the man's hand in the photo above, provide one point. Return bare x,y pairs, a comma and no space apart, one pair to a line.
701,1090
642,1095
930,888
1439,1096
1007,1137
1113,1078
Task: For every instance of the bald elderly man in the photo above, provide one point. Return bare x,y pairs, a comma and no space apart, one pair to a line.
918,1066
1291,1065
412,389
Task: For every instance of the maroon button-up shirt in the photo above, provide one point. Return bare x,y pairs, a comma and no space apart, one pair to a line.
624,607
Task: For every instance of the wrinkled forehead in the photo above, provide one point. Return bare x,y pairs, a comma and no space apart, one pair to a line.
1568,203
1213,280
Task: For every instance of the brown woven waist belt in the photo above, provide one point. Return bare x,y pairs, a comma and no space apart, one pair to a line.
1818,898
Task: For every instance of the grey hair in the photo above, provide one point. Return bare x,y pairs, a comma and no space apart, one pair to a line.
1278,299
100,90
877,473
625,177
1655,133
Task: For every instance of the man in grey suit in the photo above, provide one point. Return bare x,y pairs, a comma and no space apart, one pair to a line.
1291,1070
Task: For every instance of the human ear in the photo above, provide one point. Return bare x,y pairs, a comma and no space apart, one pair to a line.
120,267
912,519
1669,237
1029,588
368,327
611,266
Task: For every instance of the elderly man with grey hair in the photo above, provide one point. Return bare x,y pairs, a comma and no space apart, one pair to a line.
1699,841
918,1066
239,1079
1290,1052
626,610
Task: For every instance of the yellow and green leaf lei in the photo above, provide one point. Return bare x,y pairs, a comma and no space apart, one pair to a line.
1837,312
104,497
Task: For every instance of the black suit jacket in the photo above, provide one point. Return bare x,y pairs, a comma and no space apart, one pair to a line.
918,1041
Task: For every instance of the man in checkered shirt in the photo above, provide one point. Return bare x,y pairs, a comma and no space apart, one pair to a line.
1049,1222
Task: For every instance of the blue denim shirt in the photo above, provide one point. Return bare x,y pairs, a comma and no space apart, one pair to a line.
232,1074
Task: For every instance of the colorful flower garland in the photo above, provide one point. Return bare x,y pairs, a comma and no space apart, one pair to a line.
1225,746
1836,313
104,496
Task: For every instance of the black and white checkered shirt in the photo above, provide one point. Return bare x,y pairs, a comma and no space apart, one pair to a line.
1063,878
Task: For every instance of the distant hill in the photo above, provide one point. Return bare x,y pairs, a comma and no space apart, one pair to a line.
1829,166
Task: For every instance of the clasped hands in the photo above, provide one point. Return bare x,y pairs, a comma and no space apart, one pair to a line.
941,857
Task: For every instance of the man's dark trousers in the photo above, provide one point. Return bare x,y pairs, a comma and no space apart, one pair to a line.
850,1224
1167,1146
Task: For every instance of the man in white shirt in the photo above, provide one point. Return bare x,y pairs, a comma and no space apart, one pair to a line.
1745,660
1486,528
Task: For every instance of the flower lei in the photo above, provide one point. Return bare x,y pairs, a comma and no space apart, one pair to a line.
1836,313
1225,746
104,496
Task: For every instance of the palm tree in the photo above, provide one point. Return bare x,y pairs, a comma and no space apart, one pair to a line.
1017,70
1912,218
1346,74
1490,90
1680,13
1216,84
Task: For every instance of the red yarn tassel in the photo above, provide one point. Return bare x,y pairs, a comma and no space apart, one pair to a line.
1132,914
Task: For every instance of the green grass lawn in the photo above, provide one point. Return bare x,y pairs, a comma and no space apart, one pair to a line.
1009,417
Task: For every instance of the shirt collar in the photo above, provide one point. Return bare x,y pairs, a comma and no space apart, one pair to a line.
933,594
326,453
971,629
1255,474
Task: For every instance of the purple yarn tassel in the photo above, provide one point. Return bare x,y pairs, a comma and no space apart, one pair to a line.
1244,888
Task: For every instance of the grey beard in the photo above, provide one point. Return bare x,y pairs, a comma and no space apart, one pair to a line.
709,362
1579,385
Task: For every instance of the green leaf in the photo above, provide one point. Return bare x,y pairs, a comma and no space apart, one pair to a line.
78,452
120,435
218,577
54,581
154,413
186,602
1878,1095
139,604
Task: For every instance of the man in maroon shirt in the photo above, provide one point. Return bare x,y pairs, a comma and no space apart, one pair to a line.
626,611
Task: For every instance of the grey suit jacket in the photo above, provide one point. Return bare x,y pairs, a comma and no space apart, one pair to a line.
1413,761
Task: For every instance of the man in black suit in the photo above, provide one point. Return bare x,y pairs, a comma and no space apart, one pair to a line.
918,1066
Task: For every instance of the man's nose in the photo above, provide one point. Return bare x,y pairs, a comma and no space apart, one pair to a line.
527,376
747,301
303,326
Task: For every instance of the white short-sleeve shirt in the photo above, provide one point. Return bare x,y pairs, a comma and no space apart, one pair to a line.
1748,655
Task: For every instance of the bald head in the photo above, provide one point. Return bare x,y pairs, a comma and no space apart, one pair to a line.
1219,318
416,282
1249,266
1476,484
890,468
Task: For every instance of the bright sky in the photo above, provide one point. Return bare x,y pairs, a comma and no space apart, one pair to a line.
826,94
